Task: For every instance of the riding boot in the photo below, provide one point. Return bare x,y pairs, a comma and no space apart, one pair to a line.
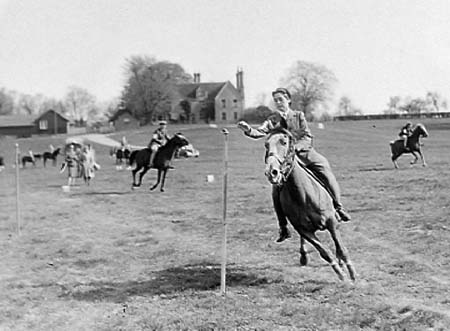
283,234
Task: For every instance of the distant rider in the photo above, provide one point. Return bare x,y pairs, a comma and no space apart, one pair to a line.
295,122
159,139
405,133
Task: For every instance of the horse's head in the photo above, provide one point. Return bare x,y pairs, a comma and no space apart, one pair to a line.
421,130
279,155
180,140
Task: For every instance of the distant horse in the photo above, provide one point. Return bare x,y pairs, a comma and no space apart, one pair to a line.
413,143
28,159
162,160
2,163
304,201
123,155
51,156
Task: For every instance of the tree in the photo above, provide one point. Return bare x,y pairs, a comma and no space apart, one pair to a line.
79,102
436,101
311,86
346,107
412,106
150,86
6,102
393,105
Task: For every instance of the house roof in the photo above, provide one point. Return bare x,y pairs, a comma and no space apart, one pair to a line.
189,90
53,111
119,113
16,120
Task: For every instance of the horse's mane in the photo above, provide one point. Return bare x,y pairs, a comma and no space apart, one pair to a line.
279,129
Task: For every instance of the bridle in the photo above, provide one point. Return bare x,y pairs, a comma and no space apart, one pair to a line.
287,163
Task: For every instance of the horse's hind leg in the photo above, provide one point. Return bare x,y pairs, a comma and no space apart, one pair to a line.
142,173
324,253
341,251
303,253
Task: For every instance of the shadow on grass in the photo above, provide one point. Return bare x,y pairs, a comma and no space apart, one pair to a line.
103,193
377,168
198,277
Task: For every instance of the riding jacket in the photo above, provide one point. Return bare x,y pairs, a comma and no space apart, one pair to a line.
405,132
159,137
292,120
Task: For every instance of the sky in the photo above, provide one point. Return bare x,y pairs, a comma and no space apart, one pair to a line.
376,49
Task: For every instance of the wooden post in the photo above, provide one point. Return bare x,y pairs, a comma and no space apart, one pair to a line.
17,189
224,215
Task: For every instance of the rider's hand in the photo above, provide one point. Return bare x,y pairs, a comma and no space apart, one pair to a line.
244,126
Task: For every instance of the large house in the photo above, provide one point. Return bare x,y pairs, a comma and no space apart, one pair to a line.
218,102
21,126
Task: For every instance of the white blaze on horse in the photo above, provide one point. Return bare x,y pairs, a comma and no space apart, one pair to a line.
413,146
304,201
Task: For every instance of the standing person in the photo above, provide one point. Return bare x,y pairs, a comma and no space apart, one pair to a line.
295,122
405,133
159,138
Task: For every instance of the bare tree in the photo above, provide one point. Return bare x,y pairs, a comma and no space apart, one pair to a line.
393,105
79,102
436,101
346,107
311,85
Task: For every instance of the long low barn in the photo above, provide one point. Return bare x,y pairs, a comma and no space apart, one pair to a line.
21,126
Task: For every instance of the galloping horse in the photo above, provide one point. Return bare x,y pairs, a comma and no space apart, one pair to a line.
162,160
398,148
304,201
51,156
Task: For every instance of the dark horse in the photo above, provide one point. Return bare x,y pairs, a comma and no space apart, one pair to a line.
397,147
304,201
51,156
123,155
28,159
162,160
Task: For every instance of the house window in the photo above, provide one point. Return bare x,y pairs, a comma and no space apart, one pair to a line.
224,116
43,125
126,120
235,116
224,103
235,103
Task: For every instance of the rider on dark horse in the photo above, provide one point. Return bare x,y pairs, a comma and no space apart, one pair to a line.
295,122
159,138
405,133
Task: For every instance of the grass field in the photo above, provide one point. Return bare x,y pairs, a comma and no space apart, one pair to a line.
105,257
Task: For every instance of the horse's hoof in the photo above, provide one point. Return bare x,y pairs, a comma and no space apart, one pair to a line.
303,260
162,190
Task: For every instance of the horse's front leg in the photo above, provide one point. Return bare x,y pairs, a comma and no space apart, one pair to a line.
157,181
416,158
163,179
424,164
303,252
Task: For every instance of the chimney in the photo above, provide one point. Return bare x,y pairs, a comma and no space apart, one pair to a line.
196,77
240,82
